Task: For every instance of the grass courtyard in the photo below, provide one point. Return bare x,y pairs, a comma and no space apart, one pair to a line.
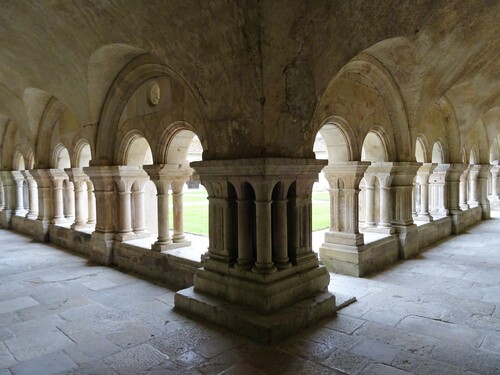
196,211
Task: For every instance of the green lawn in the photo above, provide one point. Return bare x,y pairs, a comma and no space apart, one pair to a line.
196,211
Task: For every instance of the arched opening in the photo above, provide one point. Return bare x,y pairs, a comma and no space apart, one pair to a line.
373,149
64,207
143,202
186,191
84,190
332,143
437,153
61,158
419,151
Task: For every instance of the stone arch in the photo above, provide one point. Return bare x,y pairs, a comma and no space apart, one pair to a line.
136,73
451,132
60,158
104,65
374,71
421,149
82,154
52,113
18,162
376,146
135,150
339,139
494,152
439,152
177,135
30,158
473,156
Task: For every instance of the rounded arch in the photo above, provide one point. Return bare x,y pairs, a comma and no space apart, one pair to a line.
135,150
137,72
53,111
82,154
473,156
176,136
376,146
494,152
60,157
421,149
339,139
18,162
439,152
375,72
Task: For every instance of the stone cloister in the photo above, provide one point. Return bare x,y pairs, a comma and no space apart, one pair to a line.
95,130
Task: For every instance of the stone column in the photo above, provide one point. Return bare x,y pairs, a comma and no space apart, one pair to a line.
484,202
370,203
437,182
43,181
495,190
102,178
280,224
138,195
453,176
9,199
162,176
463,191
246,224
57,177
473,186
18,178
343,242
403,175
32,196
263,227
91,204
226,290
79,181
69,201
177,202
423,175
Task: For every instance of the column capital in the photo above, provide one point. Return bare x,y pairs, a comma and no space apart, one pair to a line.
42,177
76,174
484,170
163,175
351,173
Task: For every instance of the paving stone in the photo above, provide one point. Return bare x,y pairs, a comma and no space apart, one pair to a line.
51,364
242,369
306,348
376,350
16,304
99,284
40,343
5,334
217,345
346,362
390,317
492,343
376,331
181,340
345,324
92,350
94,368
132,334
136,360
423,366
381,369
331,338
444,330
6,358
5,372
220,363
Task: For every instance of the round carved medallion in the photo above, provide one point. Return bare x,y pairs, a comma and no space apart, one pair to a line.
154,94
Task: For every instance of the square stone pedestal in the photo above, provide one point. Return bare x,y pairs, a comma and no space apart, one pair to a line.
266,329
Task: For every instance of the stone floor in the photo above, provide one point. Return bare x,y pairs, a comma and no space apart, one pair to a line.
437,314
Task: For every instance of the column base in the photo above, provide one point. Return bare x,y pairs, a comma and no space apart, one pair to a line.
21,212
122,237
268,329
6,219
381,230
41,230
407,236
32,215
343,238
359,260
263,293
102,248
164,246
425,218
59,220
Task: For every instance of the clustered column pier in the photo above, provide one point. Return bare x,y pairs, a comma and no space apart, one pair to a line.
268,199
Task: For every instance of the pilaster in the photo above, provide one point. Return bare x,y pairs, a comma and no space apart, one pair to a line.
455,172
9,199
